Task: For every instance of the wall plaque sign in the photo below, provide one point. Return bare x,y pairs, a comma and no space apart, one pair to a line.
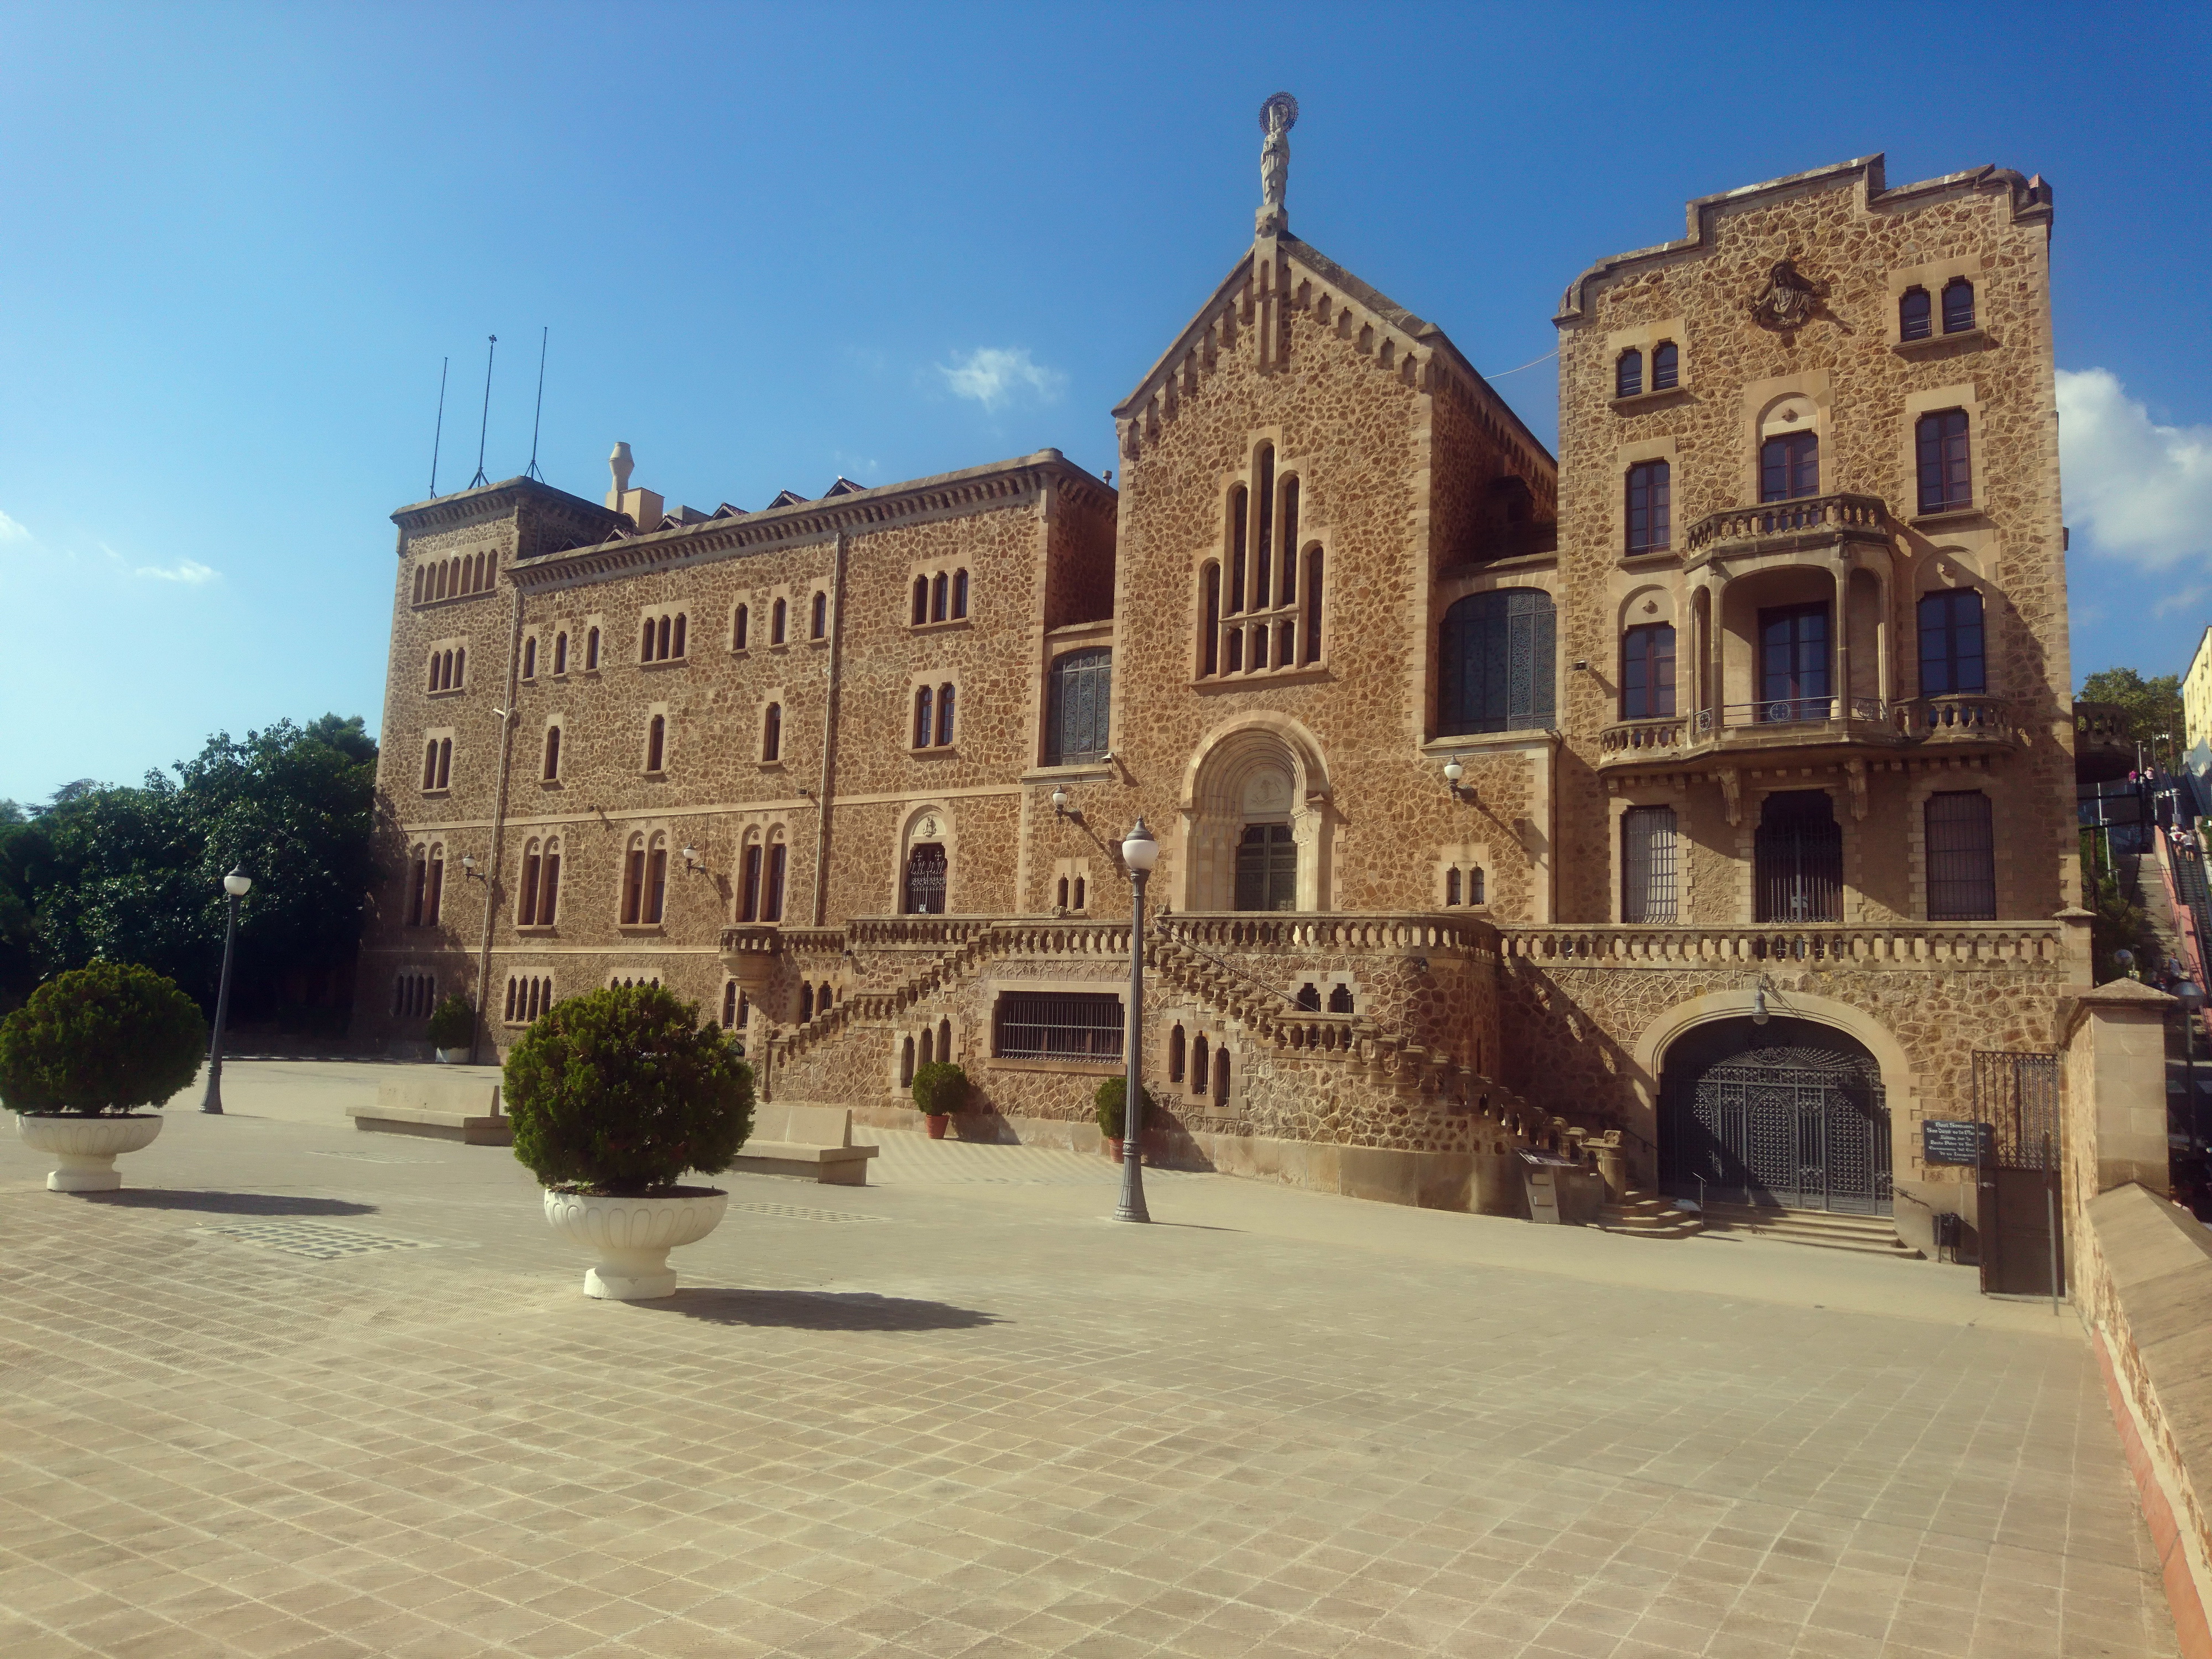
1954,1140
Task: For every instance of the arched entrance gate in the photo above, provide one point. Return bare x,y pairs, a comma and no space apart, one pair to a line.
1788,1113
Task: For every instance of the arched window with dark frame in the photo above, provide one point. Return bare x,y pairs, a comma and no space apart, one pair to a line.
1209,626
592,651
1790,467
818,622
740,626
959,594
776,614
677,650
1914,314
772,732
1495,663
560,653
920,600
525,897
1952,658
1312,604
445,763
1240,513
779,861
656,879
1962,872
1647,672
1201,1068
1650,507
1628,374
925,705
656,743
805,1002
1080,704
530,658
430,765
1958,306
945,715
749,883
552,753
1666,366
939,595
1263,547
1175,1055
548,891
1946,461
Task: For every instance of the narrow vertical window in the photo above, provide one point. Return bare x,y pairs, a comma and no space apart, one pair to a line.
1628,374
433,684
959,594
772,732
943,715
461,665
1451,885
1648,864
1287,589
512,985
1958,306
729,1005
418,584
445,763
525,912
1221,1079
1647,672
633,883
939,594
1082,897
560,653
1962,876
818,624
552,753
1313,606
1340,998
737,628
421,886
906,1062
1475,885
679,649
772,900
920,600
749,885
1946,471
548,898
656,881
437,894
1201,1070
775,619
924,704
656,742
660,640
1666,366
1651,507
530,659
1209,637
645,642
1239,527
430,765
1952,658
1263,551
806,1003
1913,314
592,650
1175,1056
1063,892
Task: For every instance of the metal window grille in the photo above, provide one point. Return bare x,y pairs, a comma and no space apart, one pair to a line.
1059,1026
1797,858
924,880
1495,668
1648,864
1082,698
1962,875
2017,1095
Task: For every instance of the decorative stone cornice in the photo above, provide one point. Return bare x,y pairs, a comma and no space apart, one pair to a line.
499,501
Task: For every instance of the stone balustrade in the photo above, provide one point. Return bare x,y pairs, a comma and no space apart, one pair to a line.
1814,518
1310,931
1889,945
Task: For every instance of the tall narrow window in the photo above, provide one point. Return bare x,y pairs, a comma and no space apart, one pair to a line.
552,753
1239,528
1451,896
1958,306
939,594
445,761
526,903
436,900
1081,702
1790,467
1287,590
806,1003
749,883
656,880
906,1062
1063,892
1082,896
1648,864
677,649
1952,658
1201,1069
548,896
513,985
928,1046
772,898
1494,672
530,658
632,897
418,584
1628,374
1647,672
959,594
920,600
943,715
924,701
1962,875
776,618
1651,507
740,627
772,732
420,892
1221,1079
560,653
1914,314
1946,469
430,765
656,743
592,650
1666,366
460,666
645,642
1263,550
1797,858
818,622
1175,1056
1313,606
661,640
1793,663
925,879
729,1005
1209,639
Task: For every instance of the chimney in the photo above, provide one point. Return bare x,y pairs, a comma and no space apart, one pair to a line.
619,463
643,505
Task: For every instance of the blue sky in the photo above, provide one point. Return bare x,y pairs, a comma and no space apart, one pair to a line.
777,245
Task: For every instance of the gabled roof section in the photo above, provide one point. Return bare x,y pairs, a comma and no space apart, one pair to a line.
1418,339
2032,203
844,486
784,498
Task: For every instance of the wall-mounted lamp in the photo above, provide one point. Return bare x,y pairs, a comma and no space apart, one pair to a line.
1759,1014
468,866
1453,773
1060,809
691,860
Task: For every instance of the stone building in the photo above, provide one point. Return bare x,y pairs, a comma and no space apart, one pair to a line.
1702,802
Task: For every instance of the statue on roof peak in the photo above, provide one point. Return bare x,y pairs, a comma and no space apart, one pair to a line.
1276,116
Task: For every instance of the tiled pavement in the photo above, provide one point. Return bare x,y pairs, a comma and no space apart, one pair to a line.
988,1422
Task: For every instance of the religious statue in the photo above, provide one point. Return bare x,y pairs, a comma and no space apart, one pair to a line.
1786,303
1276,116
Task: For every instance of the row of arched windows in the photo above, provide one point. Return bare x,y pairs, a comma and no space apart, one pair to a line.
1309,998
1250,616
560,654
737,1007
644,881
934,1046
633,982
537,901
1463,884
932,729
1915,310
448,667
527,997
813,1001
1204,1072
413,996
1628,370
451,577
1077,898
438,763
663,639
427,886
941,598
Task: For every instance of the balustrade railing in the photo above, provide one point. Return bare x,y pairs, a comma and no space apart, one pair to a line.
1914,720
1863,515
1895,945
1309,930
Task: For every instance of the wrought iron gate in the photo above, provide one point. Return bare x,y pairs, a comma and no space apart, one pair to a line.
2023,1247
1803,1129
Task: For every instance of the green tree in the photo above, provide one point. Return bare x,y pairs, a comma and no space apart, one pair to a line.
2154,706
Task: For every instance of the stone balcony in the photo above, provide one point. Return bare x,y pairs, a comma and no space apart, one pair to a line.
1813,523
2104,742
1899,945
1813,729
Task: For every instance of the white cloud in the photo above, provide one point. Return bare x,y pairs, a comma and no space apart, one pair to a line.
12,531
994,376
190,572
2141,490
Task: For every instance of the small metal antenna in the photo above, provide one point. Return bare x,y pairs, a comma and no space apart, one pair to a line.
439,437
532,471
486,425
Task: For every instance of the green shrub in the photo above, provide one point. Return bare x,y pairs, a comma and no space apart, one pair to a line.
109,1037
1110,1100
453,1023
939,1087
620,1091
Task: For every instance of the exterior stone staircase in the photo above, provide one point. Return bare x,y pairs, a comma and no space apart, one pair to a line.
1648,1215
1826,1229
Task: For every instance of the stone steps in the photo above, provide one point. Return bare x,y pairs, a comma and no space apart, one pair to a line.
1826,1229
1647,1215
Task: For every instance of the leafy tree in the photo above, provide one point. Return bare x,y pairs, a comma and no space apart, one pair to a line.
2154,706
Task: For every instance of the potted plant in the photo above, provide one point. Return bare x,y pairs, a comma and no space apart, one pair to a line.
1112,1103
88,1049
941,1089
614,1094
453,1023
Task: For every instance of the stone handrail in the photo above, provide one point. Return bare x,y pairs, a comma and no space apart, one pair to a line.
1320,930
1890,944
1812,515
1972,717
2104,723
1642,736
1968,716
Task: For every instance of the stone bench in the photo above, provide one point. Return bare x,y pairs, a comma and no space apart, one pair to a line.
464,1108
812,1142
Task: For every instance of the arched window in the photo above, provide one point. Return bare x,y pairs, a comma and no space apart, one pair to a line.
1240,514
1313,605
530,658
1666,366
806,1003
1451,895
656,878
432,683
1475,885
560,653
739,627
748,881
1650,507
512,985
460,667
549,887
959,594
592,650
1913,316
430,765
925,879
1340,998
418,889
943,1036
729,1005
928,1047
441,593
526,897
818,623
772,732
418,584
1080,707
775,621
1063,892
943,715
920,600
1263,550
1946,468
1628,374
1958,306
1962,876
656,743
633,895
1082,898
1494,663
445,763
1287,590
1209,605
924,701
1201,1070
1647,672
772,894
645,644
906,1061
661,640
1790,467
435,898
677,650
1309,998
1952,658
1221,1079
937,598
1648,863
552,753
1176,1054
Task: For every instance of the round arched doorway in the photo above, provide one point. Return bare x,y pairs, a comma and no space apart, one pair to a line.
1790,1115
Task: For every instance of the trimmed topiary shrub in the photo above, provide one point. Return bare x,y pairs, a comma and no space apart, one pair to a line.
620,1091
453,1023
108,1037
1112,1099
939,1087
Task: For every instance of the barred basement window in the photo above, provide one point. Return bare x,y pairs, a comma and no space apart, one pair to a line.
1059,1026
1962,877
413,996
1648,864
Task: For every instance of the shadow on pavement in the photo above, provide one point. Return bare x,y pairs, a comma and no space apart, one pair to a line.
819,1310
142,1198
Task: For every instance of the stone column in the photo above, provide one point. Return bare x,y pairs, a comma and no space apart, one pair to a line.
2115,1090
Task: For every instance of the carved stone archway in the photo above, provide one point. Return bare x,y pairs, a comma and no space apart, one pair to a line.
1260,770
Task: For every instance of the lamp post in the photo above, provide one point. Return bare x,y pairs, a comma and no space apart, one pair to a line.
1140,852
234,886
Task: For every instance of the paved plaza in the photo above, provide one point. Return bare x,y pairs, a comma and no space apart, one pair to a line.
303,1391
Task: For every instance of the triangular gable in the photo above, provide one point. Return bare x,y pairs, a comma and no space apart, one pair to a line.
844,486
726,511
787,498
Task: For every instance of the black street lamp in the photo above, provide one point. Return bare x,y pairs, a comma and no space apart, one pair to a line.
1140,852
234,884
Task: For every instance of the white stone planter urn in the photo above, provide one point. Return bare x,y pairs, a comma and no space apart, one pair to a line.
633,1237
84,1147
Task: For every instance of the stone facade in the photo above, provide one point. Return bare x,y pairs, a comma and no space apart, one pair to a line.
1370,686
